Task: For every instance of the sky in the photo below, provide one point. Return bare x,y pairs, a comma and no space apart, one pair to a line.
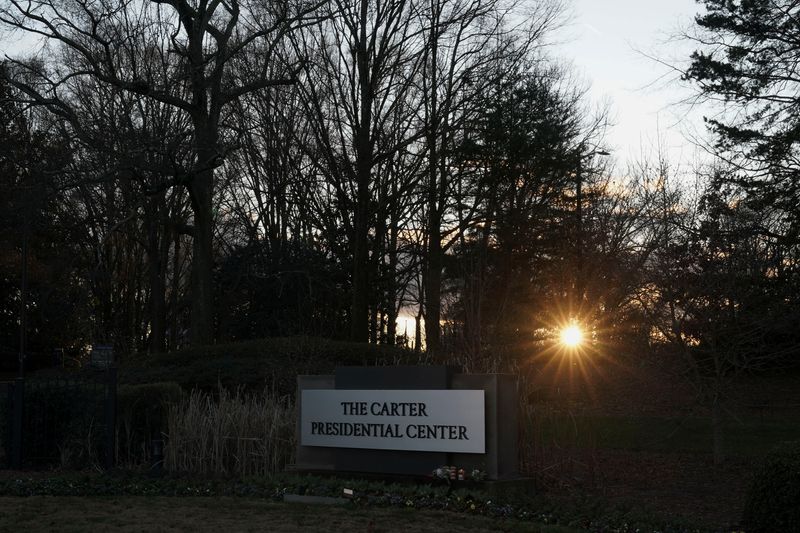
606,42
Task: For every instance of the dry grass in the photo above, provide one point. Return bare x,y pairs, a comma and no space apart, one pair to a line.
230,433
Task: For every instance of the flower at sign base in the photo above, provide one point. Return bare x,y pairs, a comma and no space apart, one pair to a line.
477,475
444,472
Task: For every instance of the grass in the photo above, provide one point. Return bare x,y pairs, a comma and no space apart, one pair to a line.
748,437
127,514
531,512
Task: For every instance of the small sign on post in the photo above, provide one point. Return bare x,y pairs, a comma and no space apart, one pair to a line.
101,356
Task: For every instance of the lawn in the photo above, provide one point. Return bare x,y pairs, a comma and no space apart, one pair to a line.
748,436
127,514
662,463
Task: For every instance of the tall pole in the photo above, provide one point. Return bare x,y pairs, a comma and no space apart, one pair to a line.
23,311
579,236
579,274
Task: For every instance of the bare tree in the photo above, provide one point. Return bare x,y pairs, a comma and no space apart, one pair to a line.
356,84
469,47
191,61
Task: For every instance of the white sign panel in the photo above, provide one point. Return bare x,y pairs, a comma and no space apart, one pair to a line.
414,420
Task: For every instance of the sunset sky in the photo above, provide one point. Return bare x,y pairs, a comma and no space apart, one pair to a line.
607,42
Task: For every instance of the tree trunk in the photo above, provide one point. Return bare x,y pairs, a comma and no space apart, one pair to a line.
433,274
433,289
156,271
201,287
174,333
391,284
359,307
418,330
716,430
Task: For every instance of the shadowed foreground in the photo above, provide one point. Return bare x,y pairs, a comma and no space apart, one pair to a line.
129,514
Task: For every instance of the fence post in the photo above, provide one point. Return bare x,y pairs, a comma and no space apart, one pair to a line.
111,417
17,406
7,424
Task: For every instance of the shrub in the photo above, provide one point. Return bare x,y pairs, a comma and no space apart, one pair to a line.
273,363
773,502
141,417
63,423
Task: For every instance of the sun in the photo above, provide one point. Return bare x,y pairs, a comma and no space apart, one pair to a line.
571,336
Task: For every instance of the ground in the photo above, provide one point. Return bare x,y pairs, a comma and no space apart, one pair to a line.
639,438
165,514
685,485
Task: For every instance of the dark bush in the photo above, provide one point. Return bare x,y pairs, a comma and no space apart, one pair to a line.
141,417
269,291
63,422
773,502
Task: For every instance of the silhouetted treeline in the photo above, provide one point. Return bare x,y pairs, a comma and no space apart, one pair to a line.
199,171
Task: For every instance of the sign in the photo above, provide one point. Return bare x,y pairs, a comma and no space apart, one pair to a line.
101,356
413,420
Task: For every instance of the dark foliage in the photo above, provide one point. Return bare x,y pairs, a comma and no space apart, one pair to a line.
511,274
772,502
56,310
742,288
63,423
751,68
141,417
274,362
292,290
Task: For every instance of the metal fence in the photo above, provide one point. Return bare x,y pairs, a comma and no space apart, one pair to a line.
67,421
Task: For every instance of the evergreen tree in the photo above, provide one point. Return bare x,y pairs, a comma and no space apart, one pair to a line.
748,62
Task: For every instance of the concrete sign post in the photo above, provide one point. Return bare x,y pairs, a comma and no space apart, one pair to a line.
407,420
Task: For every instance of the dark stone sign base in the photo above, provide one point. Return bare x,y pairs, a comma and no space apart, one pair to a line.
402,377
498,462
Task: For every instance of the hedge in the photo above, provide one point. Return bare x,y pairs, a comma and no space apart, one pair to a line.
273,362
